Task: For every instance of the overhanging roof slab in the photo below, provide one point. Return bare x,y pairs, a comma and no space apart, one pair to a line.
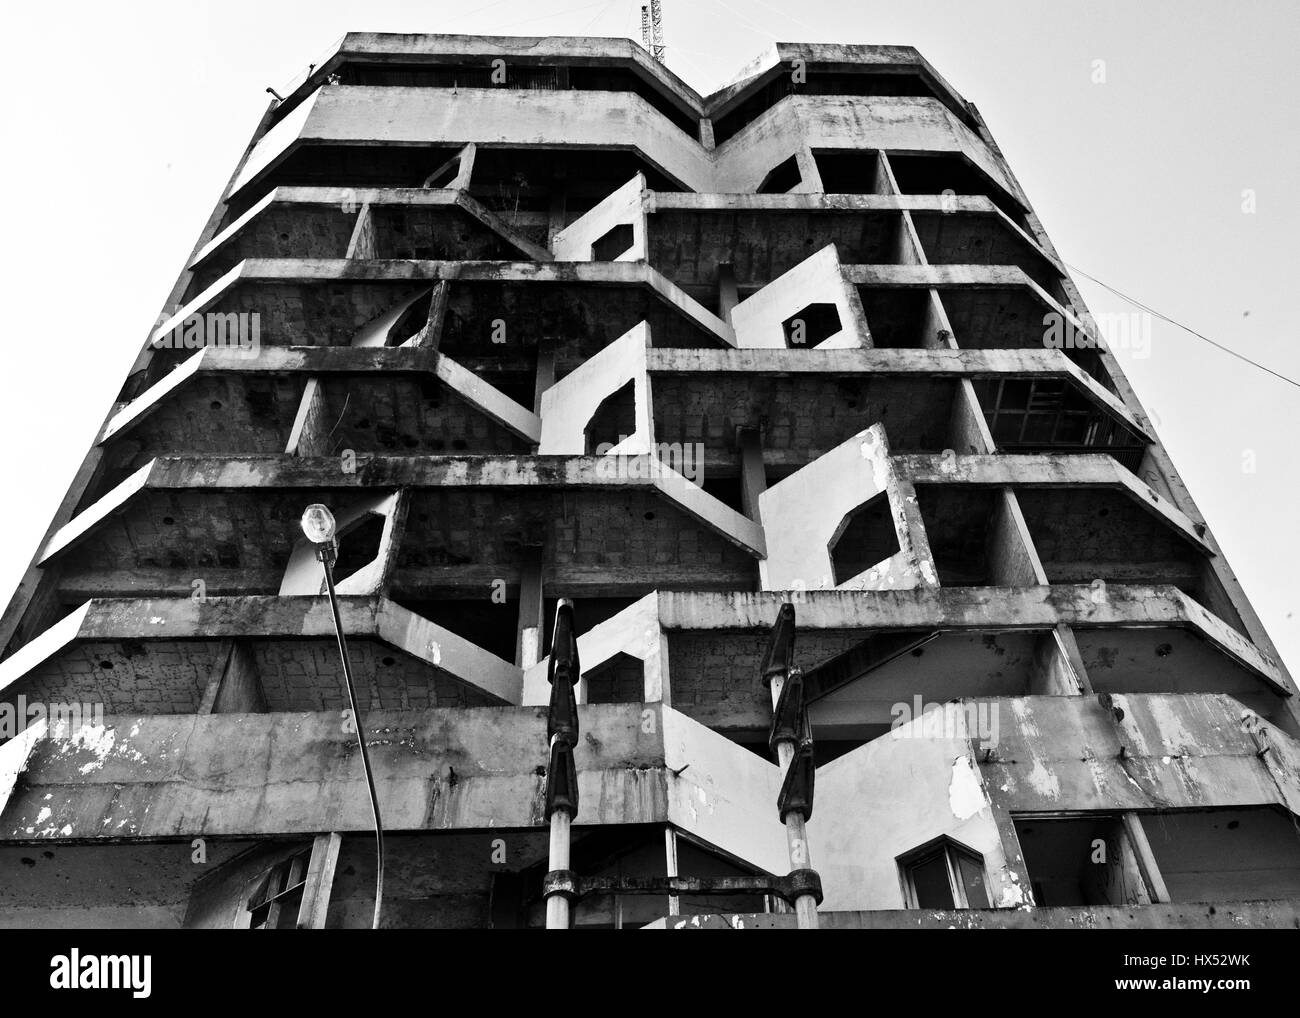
257,501
127,622
966,608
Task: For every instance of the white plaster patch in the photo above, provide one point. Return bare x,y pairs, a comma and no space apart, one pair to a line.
965,791
1012,893
1044,781
95,739
1169,724
1024,719
43,815
879,467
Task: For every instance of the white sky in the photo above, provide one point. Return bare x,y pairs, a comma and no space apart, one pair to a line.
123,122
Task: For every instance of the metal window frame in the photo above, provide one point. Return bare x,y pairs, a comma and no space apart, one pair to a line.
950,849
291,875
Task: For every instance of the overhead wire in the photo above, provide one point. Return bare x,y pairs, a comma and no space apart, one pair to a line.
1186,328
599,14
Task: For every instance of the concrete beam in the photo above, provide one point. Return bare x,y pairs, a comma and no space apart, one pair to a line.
271,617
465,207
260,474
956,608
365,362
811,202
963,365
238,775
1086,470
344,270
175,776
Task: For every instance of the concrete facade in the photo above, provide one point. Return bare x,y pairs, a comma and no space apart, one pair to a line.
683,360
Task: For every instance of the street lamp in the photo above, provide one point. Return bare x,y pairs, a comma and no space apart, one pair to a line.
321,530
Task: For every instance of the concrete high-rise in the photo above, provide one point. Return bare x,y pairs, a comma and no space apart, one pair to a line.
538,321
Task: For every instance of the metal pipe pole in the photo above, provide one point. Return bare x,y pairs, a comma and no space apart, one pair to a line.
557,905
564,673
796,834
670,860
326,555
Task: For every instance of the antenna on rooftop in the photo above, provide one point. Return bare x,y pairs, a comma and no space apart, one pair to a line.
652,29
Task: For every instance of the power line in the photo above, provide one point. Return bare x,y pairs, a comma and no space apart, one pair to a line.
678,52
788,16
478,10
756,27
543,17
599,14
1185,328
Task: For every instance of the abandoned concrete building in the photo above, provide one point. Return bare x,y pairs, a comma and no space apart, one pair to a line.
541,324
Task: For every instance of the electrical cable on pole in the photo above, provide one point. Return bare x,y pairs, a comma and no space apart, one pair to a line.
563,672
792,745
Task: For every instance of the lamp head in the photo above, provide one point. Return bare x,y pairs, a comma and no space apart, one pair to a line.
318,524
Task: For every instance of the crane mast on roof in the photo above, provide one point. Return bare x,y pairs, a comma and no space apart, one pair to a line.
652,29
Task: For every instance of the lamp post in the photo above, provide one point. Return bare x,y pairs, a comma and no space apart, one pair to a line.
319,526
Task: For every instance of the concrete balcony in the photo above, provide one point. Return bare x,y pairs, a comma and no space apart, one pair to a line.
340,118
241,776
382,223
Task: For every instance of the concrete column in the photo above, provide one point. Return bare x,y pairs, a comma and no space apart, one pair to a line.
728,292
532,620
753,474
320,881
